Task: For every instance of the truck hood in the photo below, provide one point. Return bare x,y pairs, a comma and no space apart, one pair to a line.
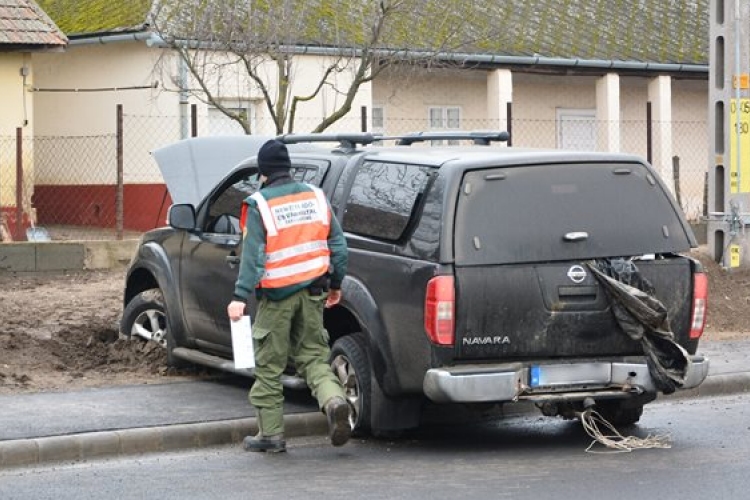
192,167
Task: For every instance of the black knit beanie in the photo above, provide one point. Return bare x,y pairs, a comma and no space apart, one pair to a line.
273,157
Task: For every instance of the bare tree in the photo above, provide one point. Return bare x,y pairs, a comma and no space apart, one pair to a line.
252,48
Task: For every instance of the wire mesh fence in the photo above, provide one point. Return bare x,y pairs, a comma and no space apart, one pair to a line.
80,188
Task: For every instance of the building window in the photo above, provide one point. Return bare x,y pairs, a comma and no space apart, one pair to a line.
378,119
221,124
576,129
444,119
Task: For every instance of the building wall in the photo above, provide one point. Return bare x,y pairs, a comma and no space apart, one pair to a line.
76,114
406,98
12,93
690,137
86,170
16,110
77,97
536,102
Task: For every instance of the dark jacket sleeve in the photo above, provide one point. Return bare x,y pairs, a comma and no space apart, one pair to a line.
253,261
339,253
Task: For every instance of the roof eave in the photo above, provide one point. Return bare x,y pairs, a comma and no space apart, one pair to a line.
22,47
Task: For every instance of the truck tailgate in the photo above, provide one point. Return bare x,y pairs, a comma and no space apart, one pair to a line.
555,310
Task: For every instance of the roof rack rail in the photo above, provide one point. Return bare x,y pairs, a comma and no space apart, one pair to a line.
480,138
347,141
351,140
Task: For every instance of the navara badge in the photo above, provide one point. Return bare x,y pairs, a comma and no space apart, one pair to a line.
577,274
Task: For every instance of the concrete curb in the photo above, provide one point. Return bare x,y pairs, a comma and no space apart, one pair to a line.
56,256
716,385
92,445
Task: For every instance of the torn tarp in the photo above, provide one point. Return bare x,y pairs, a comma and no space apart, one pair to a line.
644,319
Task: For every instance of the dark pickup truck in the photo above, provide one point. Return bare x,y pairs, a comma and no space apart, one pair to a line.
470,276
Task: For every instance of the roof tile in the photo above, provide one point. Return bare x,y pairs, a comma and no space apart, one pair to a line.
664,31
22,22
87,17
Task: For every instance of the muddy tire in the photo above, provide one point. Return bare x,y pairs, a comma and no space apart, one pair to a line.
619,414
145,316
351,364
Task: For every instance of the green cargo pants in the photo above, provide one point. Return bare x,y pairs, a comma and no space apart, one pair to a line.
283,329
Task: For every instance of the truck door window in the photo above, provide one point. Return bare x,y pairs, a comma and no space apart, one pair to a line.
224,211
383,198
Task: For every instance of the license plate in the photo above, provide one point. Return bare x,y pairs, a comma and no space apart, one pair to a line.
580,374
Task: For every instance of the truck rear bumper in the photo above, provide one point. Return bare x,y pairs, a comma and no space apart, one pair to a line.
527,381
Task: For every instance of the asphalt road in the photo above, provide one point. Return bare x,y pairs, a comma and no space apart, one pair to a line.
520,457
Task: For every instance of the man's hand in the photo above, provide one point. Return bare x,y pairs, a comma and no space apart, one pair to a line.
334,297
236,309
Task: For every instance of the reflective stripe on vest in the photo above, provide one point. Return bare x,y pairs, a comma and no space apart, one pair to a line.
297,227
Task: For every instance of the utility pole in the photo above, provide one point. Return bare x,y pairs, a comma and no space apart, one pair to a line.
729,133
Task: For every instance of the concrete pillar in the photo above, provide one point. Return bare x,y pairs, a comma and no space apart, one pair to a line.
660,97
729,155
499,94
608,112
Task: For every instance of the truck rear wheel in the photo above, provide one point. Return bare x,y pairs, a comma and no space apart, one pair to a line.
619,413
351,364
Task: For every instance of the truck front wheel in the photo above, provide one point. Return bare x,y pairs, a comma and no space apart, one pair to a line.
146,316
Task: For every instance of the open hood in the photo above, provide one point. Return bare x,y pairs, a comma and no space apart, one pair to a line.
192,167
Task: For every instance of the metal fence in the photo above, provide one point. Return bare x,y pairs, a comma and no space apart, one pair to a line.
109,187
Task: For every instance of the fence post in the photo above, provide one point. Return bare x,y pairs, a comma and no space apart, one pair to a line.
509,118
649,143
193,120
676,175
119,194
19,184
705,194
363,118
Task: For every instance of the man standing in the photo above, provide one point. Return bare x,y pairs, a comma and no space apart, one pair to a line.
294,259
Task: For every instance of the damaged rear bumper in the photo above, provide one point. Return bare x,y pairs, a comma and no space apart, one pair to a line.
545,381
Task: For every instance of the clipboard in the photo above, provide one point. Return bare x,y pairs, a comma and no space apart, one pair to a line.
242,343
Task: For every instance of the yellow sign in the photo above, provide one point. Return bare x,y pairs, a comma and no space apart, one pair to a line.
734,256
741,147
743,80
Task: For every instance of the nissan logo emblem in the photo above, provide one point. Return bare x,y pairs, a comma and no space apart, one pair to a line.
577,274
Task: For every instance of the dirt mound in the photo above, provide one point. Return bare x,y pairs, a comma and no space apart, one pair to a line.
728,300
59,332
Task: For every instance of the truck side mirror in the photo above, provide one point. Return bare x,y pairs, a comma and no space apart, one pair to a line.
182,216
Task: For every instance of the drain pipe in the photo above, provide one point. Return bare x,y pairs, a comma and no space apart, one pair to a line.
184,99
141,36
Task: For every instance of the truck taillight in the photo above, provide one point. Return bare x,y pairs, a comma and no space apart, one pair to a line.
700,305
439,310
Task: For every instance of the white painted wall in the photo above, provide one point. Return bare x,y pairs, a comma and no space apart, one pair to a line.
152,116
16,110
78,93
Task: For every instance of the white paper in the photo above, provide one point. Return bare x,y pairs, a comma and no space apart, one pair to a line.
242,343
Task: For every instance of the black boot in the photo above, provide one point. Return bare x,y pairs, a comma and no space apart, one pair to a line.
339,415
271,444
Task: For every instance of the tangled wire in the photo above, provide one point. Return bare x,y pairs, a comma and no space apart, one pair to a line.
605,433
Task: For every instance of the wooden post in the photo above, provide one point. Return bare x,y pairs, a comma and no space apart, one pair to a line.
509,111
120,188
193,120
19,185
649,139
676,174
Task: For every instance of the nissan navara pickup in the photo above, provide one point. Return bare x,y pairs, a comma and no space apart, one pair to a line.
470,275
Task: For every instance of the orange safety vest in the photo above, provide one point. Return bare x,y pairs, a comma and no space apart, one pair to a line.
297,227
